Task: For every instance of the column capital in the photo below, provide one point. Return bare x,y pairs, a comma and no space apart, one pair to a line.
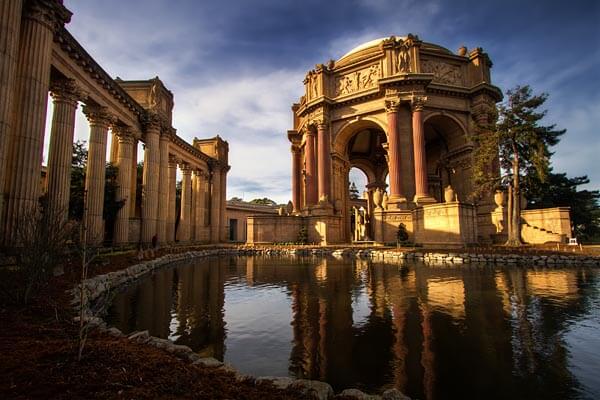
124,133
295,149
51,13
152,121
186,169
98,115
417,102
173,161
168,133
392,106
66,91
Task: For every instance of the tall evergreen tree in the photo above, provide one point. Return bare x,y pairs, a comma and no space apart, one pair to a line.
523,146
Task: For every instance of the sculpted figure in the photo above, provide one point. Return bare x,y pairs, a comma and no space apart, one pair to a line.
403,62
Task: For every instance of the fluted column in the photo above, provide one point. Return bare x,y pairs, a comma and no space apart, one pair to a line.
194,192
324,153
396,198
224,235
171,193
114,149
150,179
215,202
95,179
198,202
311,168
24,158
134,162
10,23
123,162
186,203
163,199
296,178
421,187
65,95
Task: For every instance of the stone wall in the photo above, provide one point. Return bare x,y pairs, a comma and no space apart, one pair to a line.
273,229
445,224
548,224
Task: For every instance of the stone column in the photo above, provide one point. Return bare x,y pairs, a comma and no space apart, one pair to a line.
39,21
296,178
163,199
194,199
65,95
186,203
421,187
223,206
114,149
150,179
324,162
397,199
311,168
198,204
134,162
95,179
171,193
123,162
215,204
10,23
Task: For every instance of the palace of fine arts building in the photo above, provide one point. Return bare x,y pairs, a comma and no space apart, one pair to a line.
284,200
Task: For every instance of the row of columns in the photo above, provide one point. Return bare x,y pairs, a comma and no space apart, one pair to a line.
317,177
397,198
27,29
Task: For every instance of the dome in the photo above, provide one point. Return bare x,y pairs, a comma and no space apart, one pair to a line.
375,44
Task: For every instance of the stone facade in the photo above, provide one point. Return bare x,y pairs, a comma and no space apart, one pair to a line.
402,109
39,56
237,216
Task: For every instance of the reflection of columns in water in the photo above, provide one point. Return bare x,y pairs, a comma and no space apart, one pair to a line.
200,308
427,354
250,269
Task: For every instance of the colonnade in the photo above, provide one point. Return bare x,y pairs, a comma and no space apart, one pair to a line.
27,76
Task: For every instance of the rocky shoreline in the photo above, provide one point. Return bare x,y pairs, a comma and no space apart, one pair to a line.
97,287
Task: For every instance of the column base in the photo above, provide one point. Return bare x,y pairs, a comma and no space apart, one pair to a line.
397,203
423,199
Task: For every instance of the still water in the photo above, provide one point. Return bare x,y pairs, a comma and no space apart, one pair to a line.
432,332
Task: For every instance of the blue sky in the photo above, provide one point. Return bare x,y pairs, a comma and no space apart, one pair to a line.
235,67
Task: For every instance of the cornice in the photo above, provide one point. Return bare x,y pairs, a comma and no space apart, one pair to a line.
82,58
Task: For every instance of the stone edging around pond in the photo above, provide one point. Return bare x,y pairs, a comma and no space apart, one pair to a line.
100,286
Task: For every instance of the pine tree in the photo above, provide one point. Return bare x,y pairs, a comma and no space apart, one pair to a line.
523,147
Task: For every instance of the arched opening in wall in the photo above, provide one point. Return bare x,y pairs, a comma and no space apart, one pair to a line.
366,154
448,153
358,183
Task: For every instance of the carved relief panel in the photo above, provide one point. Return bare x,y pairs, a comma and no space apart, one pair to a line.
444,73
352,82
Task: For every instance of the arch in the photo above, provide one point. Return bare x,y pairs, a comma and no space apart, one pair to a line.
365,168
448,115
346,131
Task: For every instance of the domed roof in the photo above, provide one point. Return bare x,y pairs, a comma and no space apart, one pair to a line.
374,44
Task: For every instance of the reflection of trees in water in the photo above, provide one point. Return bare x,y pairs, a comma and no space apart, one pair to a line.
431,332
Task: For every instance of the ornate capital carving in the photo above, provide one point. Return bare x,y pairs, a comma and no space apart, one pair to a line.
295,149
417,103
98,115
124,133
152,121
173,161
392,106
186,169
50,13
65,91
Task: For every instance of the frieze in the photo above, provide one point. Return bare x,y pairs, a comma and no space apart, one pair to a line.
442,72
358,80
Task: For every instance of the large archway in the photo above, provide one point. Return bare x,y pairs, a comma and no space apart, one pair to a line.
448,153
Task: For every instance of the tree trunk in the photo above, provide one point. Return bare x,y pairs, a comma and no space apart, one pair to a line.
514,234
